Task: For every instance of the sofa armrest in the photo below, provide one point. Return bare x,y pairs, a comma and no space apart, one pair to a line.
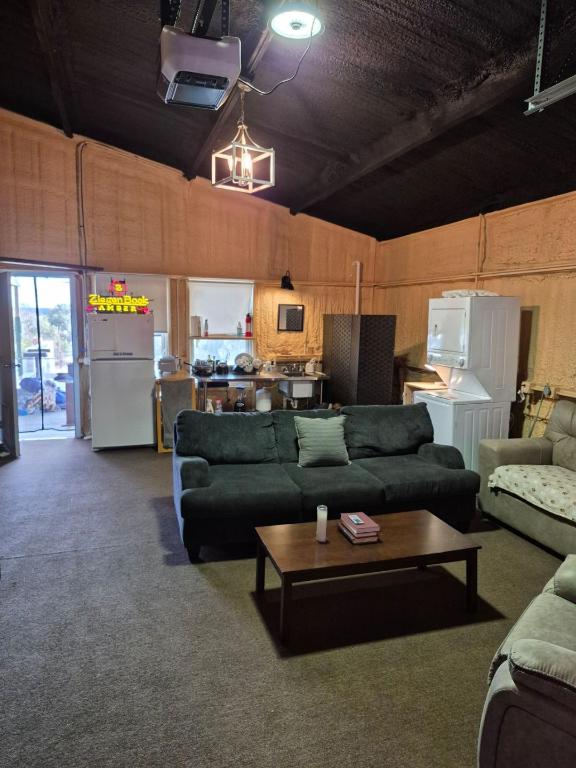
444,455
546,668
188,472
193,471
564,580
519,450
521,727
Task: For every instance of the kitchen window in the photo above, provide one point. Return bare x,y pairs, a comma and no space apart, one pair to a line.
224,304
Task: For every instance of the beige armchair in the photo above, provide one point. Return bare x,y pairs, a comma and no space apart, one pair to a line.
540,504
529,718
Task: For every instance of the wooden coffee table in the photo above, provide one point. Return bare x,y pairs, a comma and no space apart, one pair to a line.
409,540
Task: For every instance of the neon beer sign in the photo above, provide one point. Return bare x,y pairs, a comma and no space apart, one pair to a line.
118,300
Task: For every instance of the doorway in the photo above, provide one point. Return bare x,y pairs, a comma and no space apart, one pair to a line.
43,310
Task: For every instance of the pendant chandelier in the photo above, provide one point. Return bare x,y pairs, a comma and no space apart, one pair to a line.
242,165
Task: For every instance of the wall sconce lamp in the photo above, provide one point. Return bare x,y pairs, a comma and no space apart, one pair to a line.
286,282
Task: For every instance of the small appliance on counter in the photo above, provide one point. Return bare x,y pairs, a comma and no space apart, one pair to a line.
168,365
311,367
263,400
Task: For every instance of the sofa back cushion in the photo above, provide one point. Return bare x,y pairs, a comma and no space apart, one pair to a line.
561,431
386,430
226,438
285,430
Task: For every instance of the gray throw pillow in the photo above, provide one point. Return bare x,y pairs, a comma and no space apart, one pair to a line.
321,442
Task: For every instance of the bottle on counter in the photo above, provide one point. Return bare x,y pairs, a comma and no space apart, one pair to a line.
209,406
206,327
248,324
239,329
218,406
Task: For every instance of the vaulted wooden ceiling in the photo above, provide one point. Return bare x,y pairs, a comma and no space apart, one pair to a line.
406,114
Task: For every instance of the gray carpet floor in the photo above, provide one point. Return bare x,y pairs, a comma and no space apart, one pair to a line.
118,652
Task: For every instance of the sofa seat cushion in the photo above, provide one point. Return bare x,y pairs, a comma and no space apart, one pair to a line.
251,490
412,478
226,438
548,487
343,489
549,618
386,430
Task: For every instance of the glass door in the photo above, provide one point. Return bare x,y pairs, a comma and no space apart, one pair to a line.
9,443
44,342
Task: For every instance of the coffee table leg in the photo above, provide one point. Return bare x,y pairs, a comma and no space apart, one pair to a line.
260,566
285,599
471,581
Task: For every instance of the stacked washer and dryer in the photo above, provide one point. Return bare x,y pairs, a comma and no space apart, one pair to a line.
473,346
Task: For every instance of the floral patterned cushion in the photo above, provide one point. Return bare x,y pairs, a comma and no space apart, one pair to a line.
549,487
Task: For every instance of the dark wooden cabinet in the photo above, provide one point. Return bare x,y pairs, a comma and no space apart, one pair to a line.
358,355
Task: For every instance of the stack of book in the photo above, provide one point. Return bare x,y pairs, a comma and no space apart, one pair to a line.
359,528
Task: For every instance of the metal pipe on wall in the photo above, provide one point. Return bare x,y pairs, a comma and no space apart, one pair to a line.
358,266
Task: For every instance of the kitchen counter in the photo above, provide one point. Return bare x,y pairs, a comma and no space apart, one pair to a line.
264,377
268,377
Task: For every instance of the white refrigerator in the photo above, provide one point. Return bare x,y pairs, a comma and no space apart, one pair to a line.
121,379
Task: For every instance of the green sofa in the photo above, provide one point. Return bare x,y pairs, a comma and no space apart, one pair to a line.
233,472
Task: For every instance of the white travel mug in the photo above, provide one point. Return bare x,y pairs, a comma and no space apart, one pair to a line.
321,523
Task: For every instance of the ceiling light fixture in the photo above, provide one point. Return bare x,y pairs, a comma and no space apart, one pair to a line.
296,21
242,165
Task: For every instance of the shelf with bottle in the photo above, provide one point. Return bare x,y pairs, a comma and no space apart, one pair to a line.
226,336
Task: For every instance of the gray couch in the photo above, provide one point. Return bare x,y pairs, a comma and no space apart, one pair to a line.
529,718
233,472
553,457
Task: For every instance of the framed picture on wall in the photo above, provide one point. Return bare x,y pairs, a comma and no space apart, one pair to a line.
291,317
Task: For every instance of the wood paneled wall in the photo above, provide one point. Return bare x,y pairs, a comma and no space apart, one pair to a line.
139,216
143,217
527,251
38,212
318,300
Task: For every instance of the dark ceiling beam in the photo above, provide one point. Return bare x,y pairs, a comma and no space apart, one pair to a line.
169,12
419,130
49,20
204,17
231,106
282,133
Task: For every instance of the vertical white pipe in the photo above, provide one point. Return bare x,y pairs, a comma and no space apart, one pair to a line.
357,292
